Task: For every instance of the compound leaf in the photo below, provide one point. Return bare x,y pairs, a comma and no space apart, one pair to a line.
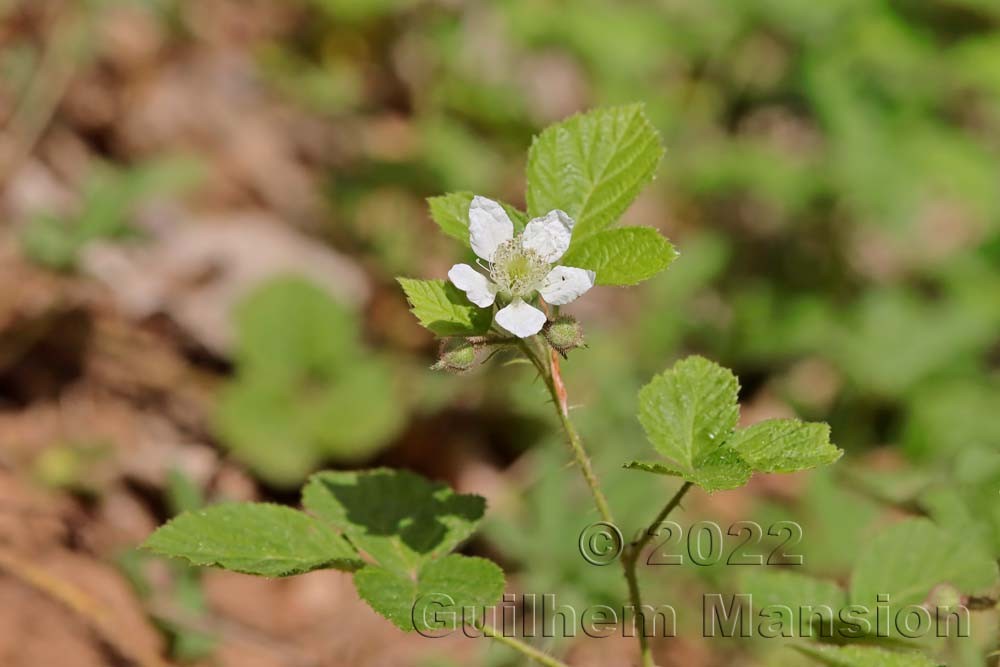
690,412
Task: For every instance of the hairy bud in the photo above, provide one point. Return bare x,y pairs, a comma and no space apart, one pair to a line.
564,334
456,356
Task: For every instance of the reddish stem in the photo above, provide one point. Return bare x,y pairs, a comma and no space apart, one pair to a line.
557,383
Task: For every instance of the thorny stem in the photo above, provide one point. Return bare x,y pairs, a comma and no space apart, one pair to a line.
558,390
521,647
551,374
630,558
553,380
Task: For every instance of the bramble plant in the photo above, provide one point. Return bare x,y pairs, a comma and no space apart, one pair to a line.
397,532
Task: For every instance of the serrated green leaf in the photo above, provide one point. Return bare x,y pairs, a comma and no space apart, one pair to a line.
864,656
397,517
690,410
910,558
784,445
796,591
451,213
722,470
592,166
625,256
444,594
253,538
444,309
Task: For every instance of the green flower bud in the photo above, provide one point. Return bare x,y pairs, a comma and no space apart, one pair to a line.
564,334
456,356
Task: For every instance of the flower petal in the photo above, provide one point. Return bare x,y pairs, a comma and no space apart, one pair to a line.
565,283
476,286
489,226
549,236
521,319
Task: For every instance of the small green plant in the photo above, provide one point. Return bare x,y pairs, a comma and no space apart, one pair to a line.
307,388
397,532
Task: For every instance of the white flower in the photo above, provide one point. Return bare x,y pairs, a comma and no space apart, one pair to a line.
520,266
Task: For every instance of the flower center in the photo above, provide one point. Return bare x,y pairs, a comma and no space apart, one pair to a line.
518,271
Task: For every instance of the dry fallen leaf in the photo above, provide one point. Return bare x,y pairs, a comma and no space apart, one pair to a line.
199,271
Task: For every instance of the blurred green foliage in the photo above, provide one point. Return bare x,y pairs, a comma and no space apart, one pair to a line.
108,199
307,388
830,183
